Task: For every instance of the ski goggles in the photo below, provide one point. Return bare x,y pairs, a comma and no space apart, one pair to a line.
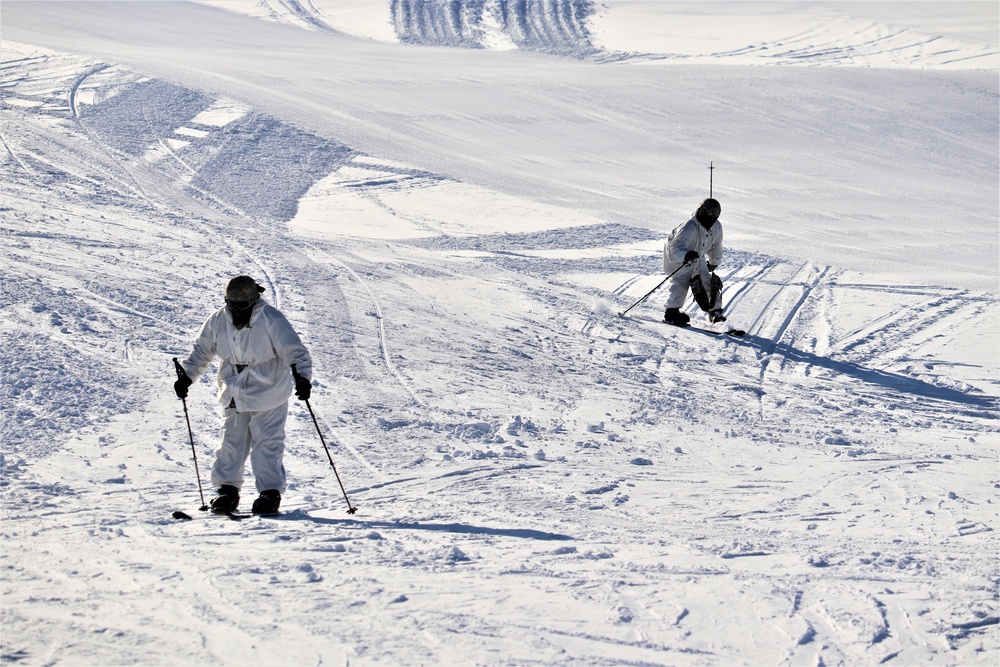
239,305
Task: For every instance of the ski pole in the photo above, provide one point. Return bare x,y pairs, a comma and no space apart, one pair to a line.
350,508
194,454
622,314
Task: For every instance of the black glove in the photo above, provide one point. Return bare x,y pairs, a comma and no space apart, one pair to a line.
182,384
712,268
303,388
691,256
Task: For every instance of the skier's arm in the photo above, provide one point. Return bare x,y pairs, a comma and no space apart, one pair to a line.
203,352
676,249
289,347
714,253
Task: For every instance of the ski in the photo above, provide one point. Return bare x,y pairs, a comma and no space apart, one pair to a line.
734,333
234,516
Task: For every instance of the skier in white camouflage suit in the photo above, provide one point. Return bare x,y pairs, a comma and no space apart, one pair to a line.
257,347
694,250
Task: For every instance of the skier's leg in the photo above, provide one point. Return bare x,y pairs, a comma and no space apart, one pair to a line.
698,292
231,456
677,289
715,311
267,432
716,297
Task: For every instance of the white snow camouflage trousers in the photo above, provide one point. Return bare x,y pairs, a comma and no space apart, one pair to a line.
259,436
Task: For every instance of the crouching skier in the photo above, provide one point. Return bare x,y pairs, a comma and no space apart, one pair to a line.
257,347
694,250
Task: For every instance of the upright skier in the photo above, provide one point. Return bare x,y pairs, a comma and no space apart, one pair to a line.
257,347
694,250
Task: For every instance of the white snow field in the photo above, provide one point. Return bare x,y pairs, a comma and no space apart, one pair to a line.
452,202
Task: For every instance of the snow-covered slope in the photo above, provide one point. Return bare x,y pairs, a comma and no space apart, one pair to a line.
453,230
907,35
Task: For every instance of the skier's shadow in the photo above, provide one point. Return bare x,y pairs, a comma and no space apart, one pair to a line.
894,381
461,528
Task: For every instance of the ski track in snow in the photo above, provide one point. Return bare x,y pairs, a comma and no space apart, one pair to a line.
539,480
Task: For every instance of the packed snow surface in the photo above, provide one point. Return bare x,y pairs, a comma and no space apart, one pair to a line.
452,202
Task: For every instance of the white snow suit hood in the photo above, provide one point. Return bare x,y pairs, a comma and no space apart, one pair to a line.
255,369
692,235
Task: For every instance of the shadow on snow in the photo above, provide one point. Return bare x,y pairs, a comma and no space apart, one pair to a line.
894,381
462,528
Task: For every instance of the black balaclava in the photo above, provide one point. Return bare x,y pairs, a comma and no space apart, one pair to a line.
242,293
708,213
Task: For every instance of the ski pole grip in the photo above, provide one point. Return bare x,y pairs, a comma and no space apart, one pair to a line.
179,369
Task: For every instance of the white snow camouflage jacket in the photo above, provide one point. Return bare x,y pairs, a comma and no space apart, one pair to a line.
266,348
691,235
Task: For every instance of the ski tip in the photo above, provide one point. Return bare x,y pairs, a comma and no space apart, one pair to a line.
181,516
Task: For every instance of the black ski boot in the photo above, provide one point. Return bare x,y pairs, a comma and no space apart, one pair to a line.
227,501
676,317
716,316
267,503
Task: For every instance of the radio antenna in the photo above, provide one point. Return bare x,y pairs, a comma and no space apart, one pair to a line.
711,169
